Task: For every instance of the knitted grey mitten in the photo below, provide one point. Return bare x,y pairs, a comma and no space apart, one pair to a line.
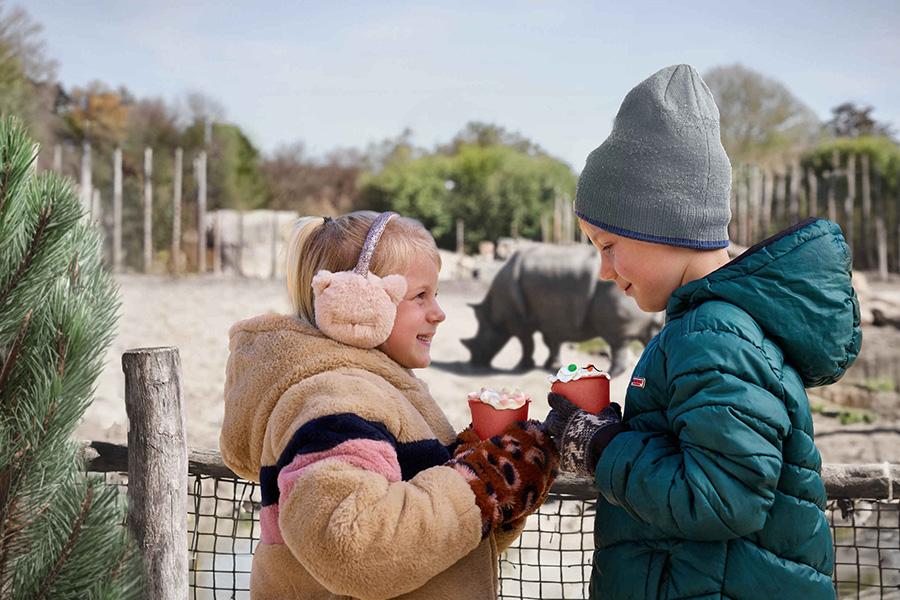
579,435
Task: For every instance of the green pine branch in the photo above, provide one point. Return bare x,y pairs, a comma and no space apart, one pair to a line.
62,531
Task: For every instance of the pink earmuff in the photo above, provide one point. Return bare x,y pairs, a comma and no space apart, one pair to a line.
357,307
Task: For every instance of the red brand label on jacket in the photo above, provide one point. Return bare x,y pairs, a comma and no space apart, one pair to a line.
638,382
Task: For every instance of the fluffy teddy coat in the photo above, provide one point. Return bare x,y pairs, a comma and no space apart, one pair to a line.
350,451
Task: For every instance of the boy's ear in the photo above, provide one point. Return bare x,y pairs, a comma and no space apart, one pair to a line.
395,286
321,281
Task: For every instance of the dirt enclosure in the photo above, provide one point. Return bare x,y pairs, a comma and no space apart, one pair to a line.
857,420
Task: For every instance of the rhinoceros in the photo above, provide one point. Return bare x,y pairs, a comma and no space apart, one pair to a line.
556,290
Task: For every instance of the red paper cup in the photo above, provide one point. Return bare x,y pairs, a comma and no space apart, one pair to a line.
489,421
589,393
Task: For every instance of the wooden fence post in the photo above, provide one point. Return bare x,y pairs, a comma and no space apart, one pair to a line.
849,207
217,242
148,209
768,191
200,176
86,177
273,253
756,185
813,204
881,241
781,205
240,249
57,158
176,212
157,468
832,186
96,208
460,236
794,197
870,249
117,210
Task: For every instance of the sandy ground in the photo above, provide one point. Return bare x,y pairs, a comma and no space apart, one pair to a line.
194,314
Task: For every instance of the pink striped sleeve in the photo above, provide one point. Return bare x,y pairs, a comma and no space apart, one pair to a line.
370,455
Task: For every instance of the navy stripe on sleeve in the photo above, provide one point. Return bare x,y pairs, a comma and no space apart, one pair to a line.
324,433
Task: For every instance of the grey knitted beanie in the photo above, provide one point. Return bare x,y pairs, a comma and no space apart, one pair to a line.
662,175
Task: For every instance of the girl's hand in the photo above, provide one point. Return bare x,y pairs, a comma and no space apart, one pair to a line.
511,473
466,440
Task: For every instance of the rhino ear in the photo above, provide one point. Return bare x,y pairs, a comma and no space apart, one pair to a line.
478,308
321,281
395,286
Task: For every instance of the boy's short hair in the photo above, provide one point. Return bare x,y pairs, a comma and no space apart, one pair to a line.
334,244
662,175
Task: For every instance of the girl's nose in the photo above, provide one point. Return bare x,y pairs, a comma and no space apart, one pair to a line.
437,314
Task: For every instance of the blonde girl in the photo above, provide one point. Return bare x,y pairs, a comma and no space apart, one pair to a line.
367,491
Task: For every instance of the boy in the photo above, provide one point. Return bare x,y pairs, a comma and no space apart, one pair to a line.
709,485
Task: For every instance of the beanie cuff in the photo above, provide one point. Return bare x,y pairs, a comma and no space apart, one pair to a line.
645,237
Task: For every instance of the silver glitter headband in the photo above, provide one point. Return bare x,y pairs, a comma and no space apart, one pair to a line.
375,231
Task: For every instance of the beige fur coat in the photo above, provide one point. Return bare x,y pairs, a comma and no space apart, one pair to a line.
348,448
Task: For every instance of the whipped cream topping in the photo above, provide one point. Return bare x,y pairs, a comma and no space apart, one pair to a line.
501,400
573,372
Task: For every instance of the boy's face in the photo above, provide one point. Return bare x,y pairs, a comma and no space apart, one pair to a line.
647,272
418,316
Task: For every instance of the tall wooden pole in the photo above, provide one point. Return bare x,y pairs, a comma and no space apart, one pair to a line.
148,209
794,202
96,208
768,190
200,176
813,184
87,185
57,158
868,240
849,201
832,186
176,212
117,210
157,469
217,243
780,200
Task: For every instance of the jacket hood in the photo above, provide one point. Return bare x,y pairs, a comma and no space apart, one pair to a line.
797,286
270,353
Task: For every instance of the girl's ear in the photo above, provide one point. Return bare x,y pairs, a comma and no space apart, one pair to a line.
395,286
321,281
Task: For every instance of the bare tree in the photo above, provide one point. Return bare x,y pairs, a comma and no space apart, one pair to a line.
760,117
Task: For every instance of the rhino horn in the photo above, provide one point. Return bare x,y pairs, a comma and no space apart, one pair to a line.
468,342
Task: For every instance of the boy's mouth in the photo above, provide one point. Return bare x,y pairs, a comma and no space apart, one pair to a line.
627,289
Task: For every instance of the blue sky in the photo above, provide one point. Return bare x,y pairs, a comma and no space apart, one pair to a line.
338,74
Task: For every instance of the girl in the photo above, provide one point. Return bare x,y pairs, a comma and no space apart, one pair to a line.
366,490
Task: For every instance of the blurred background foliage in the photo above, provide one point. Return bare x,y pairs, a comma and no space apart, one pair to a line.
498,182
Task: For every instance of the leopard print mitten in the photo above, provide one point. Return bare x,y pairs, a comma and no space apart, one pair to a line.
511,474
466,440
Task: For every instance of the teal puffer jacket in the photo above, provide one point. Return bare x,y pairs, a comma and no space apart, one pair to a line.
715,490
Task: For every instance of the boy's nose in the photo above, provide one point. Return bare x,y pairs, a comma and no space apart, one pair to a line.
607,273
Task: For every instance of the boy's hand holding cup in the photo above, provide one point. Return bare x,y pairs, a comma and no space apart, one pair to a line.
581,421
586,387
